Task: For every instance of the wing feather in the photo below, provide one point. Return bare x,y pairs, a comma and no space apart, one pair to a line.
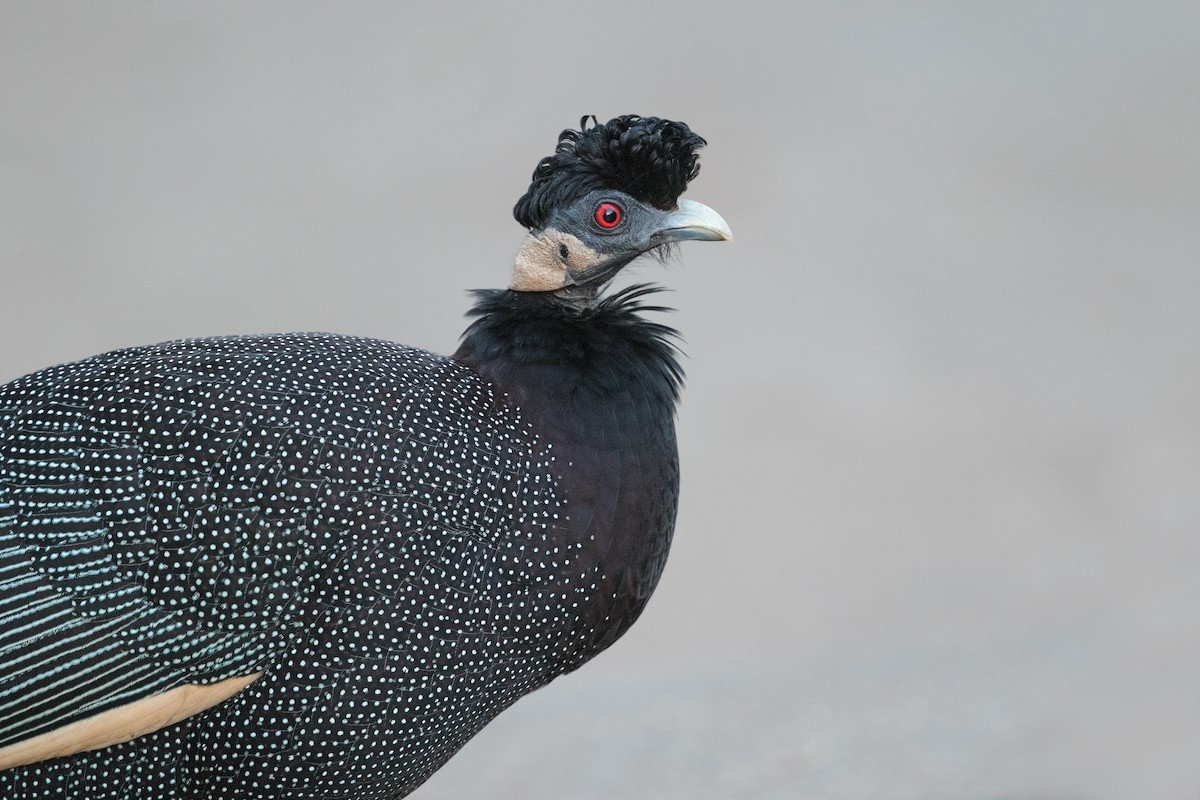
165,511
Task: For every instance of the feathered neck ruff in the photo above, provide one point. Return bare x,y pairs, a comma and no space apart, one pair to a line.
531,344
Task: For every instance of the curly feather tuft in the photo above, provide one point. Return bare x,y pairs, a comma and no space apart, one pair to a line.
648,158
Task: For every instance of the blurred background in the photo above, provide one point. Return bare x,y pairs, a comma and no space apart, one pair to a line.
941,436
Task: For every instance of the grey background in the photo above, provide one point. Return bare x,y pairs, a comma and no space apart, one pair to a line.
941,438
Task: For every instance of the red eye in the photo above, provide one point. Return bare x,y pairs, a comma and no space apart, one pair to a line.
608,215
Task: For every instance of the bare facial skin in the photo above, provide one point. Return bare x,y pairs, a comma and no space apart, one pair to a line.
545,259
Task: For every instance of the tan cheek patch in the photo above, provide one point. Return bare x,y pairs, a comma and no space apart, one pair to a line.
124,722
545,258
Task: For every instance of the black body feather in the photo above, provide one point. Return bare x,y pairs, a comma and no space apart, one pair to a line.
402,543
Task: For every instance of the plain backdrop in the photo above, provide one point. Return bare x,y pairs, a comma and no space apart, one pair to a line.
941,436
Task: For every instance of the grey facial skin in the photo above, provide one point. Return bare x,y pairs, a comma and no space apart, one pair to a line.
640,228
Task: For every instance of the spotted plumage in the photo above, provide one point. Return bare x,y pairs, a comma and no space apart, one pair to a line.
397,545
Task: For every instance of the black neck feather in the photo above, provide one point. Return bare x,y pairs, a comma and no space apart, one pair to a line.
600,384
550,357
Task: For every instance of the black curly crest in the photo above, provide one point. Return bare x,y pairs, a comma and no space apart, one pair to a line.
649,158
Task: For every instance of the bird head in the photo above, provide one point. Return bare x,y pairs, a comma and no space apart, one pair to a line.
610,193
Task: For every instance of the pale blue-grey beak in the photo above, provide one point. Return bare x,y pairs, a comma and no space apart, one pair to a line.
692,221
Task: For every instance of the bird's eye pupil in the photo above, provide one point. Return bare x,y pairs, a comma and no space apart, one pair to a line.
608,215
